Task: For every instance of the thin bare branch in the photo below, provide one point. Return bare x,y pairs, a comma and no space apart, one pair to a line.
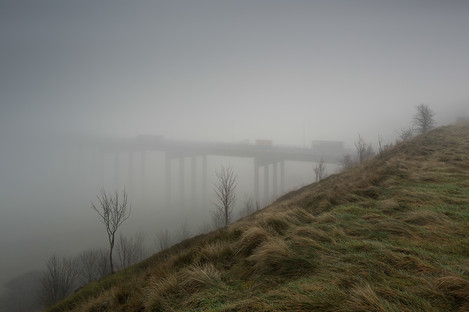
113,212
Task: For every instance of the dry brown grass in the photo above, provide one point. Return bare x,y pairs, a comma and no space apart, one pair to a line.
394,227
217,251
275,224
389,205
291,215
425,217
270,256
407,196
278,257
298,216
406,262
455,286
313,233
364,298
251,238
157,294
163,286
201,275
369,191
95,304
326,218
280,221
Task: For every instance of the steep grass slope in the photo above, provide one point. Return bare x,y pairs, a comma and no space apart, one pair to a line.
391,234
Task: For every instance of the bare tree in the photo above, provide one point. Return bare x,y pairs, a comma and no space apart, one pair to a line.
225,191
423,119
59,280
406,134
184,232
382,147
360,146
103,263
369,151
248,206
347,162
364,150
163,239
88,265
320,170
113,212
130,250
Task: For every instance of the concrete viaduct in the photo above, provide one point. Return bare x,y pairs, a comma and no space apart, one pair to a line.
264,156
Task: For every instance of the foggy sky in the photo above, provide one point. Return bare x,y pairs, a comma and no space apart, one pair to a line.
289,71
230,70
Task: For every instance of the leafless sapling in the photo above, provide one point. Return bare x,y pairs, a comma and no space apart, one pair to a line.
364,150
58,281
248,206
130,250
103,263
320,170
163,239
347,162
360,146
88,264
113,211
423,119
381,146
405,134
184,232
225,191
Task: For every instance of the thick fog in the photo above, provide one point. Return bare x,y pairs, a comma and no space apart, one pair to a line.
80,80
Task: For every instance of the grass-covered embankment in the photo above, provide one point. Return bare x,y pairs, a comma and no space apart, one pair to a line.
391,234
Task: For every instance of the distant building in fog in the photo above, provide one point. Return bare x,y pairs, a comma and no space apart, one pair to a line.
263,143
336,148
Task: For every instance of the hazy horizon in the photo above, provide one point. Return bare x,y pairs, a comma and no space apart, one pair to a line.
217,71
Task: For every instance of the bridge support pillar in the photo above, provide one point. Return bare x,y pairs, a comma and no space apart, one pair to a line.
256,181
181,177
116,170
282,177
130,173
168,178
266,183
142,175
204,179
193,179
101,168
274,179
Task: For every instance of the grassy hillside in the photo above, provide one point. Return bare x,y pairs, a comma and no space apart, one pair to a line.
391,234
